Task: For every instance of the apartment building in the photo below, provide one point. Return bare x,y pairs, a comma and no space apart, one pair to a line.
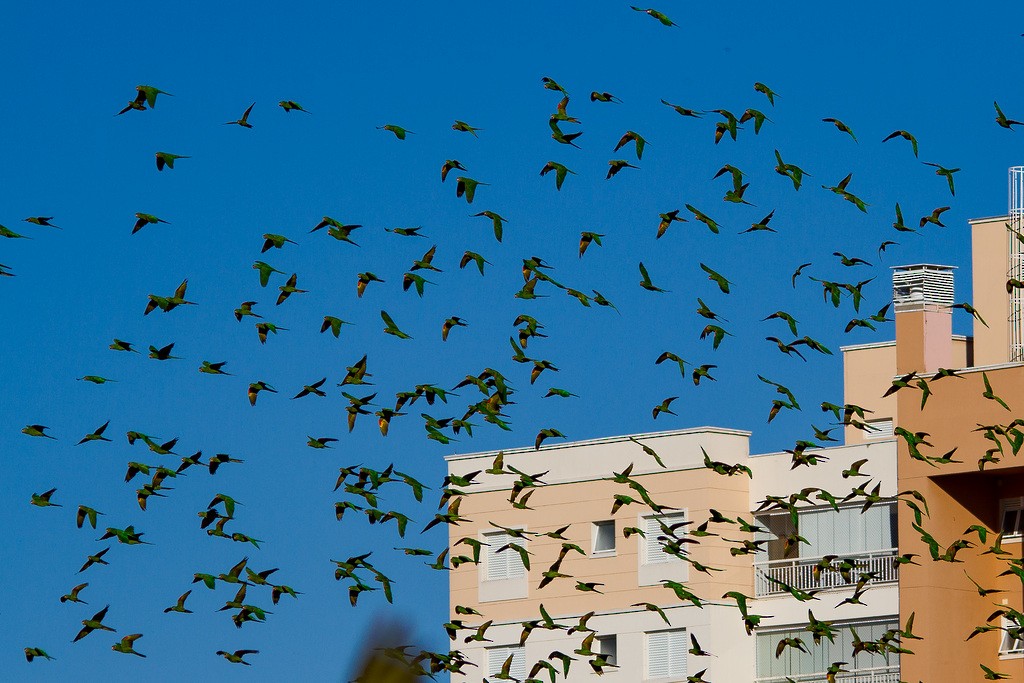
974,413
629,568
623,560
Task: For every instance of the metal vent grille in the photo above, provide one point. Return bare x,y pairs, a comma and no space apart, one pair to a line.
919,286
879,429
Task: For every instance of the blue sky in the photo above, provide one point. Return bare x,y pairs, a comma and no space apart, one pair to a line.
876,66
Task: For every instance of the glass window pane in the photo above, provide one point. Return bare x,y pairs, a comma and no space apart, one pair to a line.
816,527
779,526
792,662
604,536
607,647
1009,522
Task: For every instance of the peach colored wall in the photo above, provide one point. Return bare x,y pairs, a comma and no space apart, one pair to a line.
963,352
687,485
953,413
924,340
910,341
580,504
989,242
868,372
958,496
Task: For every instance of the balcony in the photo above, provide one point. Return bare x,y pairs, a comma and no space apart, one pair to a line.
885,674
798,572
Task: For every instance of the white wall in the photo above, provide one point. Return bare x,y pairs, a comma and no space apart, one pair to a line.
717,628
774,473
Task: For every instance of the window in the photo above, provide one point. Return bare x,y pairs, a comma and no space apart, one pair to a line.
607,647
506,564
812,664
655,537
1013,639
498,656
828,532
778,526
1010,515
604,537
666,654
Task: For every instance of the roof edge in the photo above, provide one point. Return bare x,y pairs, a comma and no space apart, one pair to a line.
867,345
707,429
892,342
986,219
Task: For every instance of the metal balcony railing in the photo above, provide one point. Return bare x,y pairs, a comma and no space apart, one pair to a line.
885,674
1016,227
798,572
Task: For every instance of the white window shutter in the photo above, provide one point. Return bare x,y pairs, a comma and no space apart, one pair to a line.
654,552
519,662
497,563
677,651
496,657
666,654
516,569
657,655
879,429
507,564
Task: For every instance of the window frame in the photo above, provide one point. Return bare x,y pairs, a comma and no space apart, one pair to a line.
864,660
603,642
595,528
1015,504
1010,647
774,543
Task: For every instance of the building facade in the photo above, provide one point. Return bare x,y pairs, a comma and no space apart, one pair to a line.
620,547
638,575
963,580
